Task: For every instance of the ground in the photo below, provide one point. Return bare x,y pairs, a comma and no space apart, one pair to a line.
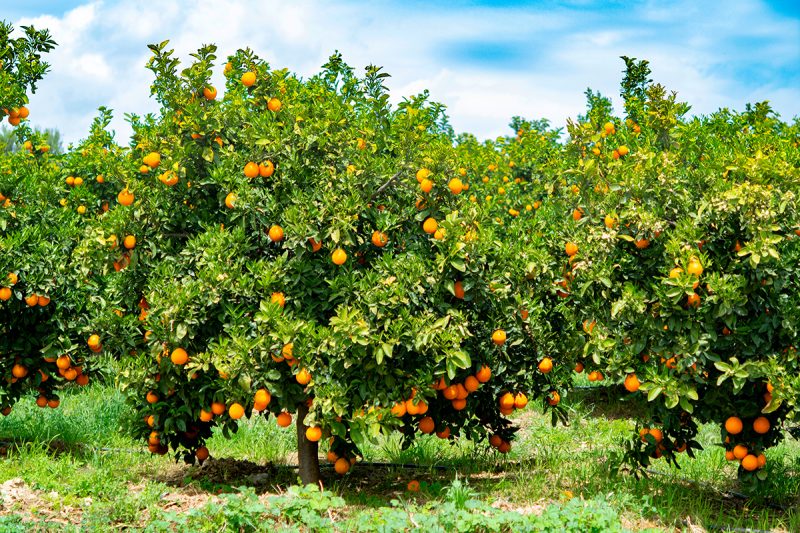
73,468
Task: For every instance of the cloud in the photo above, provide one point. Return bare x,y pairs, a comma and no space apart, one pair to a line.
486,61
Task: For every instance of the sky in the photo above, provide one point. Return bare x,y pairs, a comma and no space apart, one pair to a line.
486,61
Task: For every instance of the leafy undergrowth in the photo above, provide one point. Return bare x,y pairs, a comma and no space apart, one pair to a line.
71,469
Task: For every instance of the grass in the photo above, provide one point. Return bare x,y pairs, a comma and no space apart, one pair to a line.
78,468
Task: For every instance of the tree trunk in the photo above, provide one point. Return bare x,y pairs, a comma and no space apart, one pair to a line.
307,451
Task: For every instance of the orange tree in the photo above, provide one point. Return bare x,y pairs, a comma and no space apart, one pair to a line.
39,295
684,240
301,249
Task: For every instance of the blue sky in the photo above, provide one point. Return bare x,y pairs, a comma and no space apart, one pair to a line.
486,61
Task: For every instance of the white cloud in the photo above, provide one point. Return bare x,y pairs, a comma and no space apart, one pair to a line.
707,53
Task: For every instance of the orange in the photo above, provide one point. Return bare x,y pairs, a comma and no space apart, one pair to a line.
553,398
545,365
379,239
41,401
201,453
459,405
12,280
315,246
399,409
53,403
471,384
571,249
206,416
276,233
151,397
274,105
427,425
332,457
284,419
19,371
287,351
693,300
657,434
499,337
694,268
94,340
313,433
623,150
608,128
495,440
413,486
129,242
641,244
5,293
450,392
32,300
675,272
740,451
43,301
484,374
577,214
456,186
426,185
610,222
152,160
422,174
361,144
458,290
339,257
179,356
422,407
734,426
262,399
430,225
303,377
762,460
632,383
342,466
125,197
248,79
278,298
444,434
230,200
210,93
265,170
251,170
750,462
761,425
507,400
520,401
504,447
236,411
461,392
217,408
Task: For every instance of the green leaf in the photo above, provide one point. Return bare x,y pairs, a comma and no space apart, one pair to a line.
653,394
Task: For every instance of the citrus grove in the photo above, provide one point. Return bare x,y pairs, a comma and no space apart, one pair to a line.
302,250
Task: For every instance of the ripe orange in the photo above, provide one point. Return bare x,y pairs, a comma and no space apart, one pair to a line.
610,222
339,257
729,455
201,453
179,356
761,425
284,419
276,233
571,249
520,401
274,105
12,280
217,408
507,401
94,340
632,383
303,377
278,298
210,93
129,242
623,150
545,365
315,246
313,433
399,409
31,300
693,300
458,290
53,403
206,416
750,462
577,214
413,486
41,401
504,447
499,337
450,392
262,399
422,174
694,268
675,272
236,411
427,425
762,460
740,451
5,293
444,434
430,225
553,398
251,170
341,466
152,160
484,374
230,200
641,244
19,371
151,397
459,405
379,239
456,186
248,79
265,170
657,434
734,426
471,384
426,185
125,197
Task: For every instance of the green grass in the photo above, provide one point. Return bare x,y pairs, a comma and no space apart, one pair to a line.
84,471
